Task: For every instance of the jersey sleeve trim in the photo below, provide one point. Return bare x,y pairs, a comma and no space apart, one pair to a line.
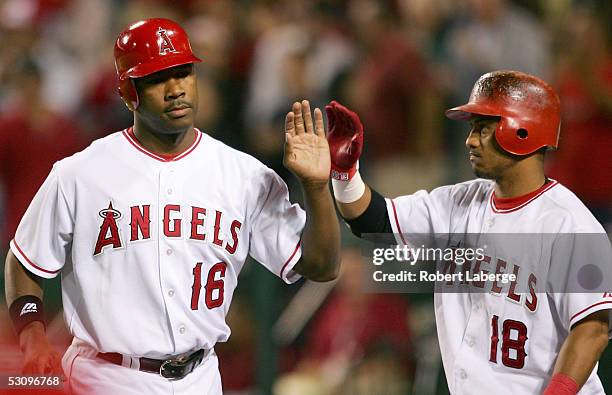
606,304
29,264
395,225
285,272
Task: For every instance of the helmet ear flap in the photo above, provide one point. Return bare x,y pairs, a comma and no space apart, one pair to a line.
515,137
505,135
129,94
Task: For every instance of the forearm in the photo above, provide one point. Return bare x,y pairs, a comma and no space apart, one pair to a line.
18,283
321,237
355,209
583,348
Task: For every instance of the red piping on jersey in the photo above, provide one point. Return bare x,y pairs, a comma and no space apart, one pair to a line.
590,307
399,229
32,263
508,205
129,135
290,258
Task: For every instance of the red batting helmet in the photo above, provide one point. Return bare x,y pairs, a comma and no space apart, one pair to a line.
147,47
529,109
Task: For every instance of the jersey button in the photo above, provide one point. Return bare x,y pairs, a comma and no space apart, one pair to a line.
462,374
169,191
470,341
171,293
169,251
182,329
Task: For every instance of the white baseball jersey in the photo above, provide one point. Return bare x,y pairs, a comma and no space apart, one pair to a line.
499,340
150,247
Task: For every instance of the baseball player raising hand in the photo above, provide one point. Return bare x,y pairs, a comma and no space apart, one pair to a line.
149,228
497,340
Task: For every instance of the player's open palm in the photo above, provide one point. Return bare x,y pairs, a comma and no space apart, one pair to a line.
306,148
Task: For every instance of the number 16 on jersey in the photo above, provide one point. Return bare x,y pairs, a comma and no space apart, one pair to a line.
214,288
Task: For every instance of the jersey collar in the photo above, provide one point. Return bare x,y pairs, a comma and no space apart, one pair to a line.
129,135
508,205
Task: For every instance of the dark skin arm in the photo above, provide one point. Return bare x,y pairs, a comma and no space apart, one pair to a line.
39,356
583,347
355,209
307,156
321,236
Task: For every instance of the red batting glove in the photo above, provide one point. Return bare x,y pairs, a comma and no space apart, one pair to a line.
345,138
561,384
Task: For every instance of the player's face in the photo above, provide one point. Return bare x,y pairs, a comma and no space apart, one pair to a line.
168,99
488,160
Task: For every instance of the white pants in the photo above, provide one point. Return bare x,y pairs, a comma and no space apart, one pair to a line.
88,375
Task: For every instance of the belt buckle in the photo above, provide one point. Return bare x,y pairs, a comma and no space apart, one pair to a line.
185,362
169,369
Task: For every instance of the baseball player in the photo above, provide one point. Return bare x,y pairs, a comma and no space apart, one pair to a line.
500,341
149,228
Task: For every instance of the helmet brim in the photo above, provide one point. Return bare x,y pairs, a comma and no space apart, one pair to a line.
170,61
467,111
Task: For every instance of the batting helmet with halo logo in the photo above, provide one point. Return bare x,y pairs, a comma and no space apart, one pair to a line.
146,47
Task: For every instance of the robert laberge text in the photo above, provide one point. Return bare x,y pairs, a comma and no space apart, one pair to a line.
425,276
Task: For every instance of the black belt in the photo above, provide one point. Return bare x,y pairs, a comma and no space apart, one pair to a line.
174,368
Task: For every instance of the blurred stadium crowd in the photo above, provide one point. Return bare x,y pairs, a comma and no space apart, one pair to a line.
398,63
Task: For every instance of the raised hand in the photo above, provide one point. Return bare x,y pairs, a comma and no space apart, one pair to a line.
345,138
306,148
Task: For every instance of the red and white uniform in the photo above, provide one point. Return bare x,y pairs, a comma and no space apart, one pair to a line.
498,341
149,247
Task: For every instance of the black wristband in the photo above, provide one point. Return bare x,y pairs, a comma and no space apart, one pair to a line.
374,219
26,309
